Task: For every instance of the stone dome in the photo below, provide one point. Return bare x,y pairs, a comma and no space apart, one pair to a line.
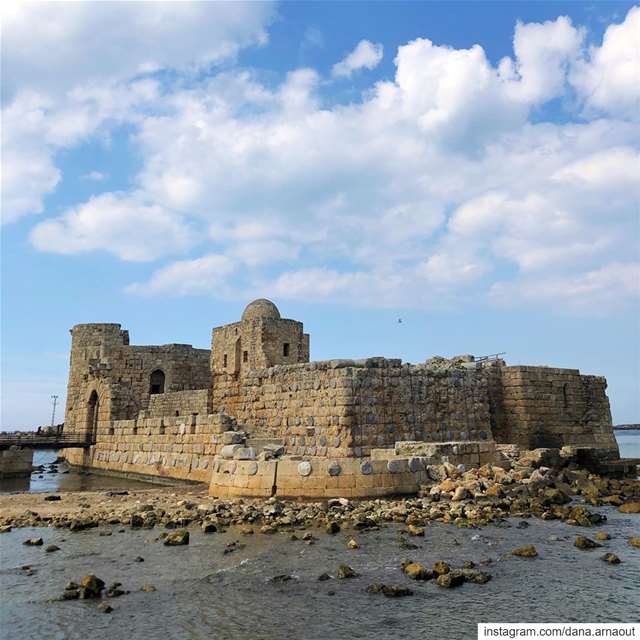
261,308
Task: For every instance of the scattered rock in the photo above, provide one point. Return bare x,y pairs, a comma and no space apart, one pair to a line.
389,590
323,577
33,542
585,543
629,507
475,576
52,498
148,588
352,543
105,608
602,535
634,542
450,580
611,558
460,494
138,559
415,530
90,587
526,551
332,527
441,568
281,578
345,571
209,527
50,548
177,538
417,571
114,590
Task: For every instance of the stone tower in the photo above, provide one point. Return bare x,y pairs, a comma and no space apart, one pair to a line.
260,340
89,390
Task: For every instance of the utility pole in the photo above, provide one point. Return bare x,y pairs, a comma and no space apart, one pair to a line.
53,413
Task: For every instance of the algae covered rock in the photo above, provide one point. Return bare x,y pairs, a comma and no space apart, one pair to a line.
177,538
525,551
585,543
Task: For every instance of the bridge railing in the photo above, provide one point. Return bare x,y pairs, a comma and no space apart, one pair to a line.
41,440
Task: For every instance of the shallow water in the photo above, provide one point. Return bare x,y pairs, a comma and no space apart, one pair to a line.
629,443
73,480
203,593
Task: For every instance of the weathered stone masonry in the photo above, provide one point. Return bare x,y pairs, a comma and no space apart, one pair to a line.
339,427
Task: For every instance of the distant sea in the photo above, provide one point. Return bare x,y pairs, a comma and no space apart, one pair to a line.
629,443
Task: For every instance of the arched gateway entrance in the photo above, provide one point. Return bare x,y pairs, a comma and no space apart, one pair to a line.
93,409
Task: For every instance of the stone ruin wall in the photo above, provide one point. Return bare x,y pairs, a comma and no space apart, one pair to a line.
177,447
102,360
340,409
549,407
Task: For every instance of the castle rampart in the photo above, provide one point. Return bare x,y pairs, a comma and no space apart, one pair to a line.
254,417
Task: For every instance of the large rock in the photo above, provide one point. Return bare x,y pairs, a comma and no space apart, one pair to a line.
33,542
440,568
345,571
630,507
389,590
417,571
611,558
177,538
332,527
460,494
90,587
450,580
525,551
585,543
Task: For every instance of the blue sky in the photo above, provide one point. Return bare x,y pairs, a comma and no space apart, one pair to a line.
469,167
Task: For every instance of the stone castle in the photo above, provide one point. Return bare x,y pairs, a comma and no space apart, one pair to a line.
254,416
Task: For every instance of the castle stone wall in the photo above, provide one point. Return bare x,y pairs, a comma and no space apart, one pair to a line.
344,408
181,448
549,407
180,403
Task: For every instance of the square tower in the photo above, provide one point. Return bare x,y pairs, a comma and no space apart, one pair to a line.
260,340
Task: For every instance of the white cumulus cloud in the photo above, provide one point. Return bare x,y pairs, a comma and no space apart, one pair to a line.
366,55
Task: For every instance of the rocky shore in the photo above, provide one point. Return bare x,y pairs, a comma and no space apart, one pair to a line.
534,486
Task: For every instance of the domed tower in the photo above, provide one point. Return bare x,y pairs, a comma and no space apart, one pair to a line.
261,339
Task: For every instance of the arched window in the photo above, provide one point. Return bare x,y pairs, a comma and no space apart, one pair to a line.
156,382
93,409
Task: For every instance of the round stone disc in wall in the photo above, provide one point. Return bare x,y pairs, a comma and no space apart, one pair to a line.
304,468
415,465
336,442
394,466
366,468
334,469
216,466
252,468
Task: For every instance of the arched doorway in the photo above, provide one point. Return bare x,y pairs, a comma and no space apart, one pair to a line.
156,382
93,409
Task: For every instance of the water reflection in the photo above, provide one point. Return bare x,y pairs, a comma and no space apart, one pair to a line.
50,480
